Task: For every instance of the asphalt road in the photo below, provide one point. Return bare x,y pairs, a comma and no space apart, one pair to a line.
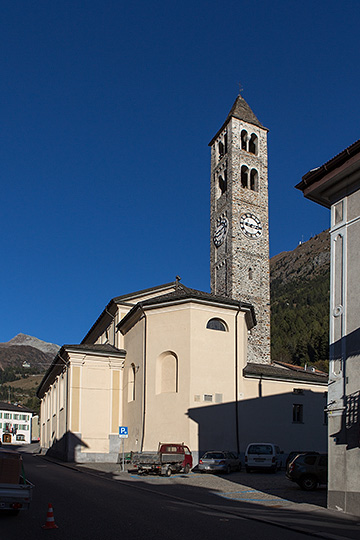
91,507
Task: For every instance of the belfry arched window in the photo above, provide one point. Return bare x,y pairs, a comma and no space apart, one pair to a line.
223,182
253,144
244,176
221,149
254,180
244,139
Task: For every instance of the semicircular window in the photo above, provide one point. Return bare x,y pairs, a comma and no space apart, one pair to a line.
217,324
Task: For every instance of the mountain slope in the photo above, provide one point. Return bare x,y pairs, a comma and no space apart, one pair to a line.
299,291
27,350
22,359
30,341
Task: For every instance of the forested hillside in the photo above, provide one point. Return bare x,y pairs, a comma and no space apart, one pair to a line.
300,281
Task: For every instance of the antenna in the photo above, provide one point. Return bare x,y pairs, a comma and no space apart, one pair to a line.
240,88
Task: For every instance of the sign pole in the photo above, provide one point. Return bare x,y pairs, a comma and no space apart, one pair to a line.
123,434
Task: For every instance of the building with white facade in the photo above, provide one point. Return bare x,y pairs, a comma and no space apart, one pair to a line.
15,424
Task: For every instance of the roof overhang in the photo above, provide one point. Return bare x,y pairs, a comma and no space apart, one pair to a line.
272,372
335,179
138,311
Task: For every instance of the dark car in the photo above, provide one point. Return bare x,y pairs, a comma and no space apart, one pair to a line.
219,461
292,455
308,470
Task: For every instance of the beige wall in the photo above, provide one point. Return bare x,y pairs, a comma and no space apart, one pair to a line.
133,410
91,411
205,367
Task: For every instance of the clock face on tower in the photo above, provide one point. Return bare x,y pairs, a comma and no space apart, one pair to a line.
221,231
250,225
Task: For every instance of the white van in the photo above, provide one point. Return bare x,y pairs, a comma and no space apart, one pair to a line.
262,456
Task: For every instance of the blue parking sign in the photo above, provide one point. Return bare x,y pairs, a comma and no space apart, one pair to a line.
123,432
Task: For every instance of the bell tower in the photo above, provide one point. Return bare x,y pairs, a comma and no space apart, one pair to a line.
239,224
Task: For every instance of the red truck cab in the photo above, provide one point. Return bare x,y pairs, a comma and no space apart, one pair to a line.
176,448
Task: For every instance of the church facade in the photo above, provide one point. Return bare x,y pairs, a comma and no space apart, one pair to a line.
174,364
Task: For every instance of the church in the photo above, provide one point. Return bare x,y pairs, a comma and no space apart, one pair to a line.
175,364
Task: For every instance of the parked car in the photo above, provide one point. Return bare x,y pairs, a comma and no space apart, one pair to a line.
263,456
308,470
292,455
219,461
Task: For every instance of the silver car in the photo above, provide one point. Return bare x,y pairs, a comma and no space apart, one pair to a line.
219,461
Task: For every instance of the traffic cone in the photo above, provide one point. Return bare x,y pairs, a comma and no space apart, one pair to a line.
50,522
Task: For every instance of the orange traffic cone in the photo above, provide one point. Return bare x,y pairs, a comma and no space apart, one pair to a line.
50,522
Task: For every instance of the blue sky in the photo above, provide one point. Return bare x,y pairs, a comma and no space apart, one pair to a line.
107,111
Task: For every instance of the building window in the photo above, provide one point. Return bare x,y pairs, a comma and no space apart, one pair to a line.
221,150
244,140
254,180
244,176
253,144
222,146
223,182
298,413
217,324
251,273
208,397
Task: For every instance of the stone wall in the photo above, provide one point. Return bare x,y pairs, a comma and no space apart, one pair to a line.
239,266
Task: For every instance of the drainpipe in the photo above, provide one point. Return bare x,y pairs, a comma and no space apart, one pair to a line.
236,381
144,380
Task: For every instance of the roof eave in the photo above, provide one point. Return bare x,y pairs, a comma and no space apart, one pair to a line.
334,179
136,313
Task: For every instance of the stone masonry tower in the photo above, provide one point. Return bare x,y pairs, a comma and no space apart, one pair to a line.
239,252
